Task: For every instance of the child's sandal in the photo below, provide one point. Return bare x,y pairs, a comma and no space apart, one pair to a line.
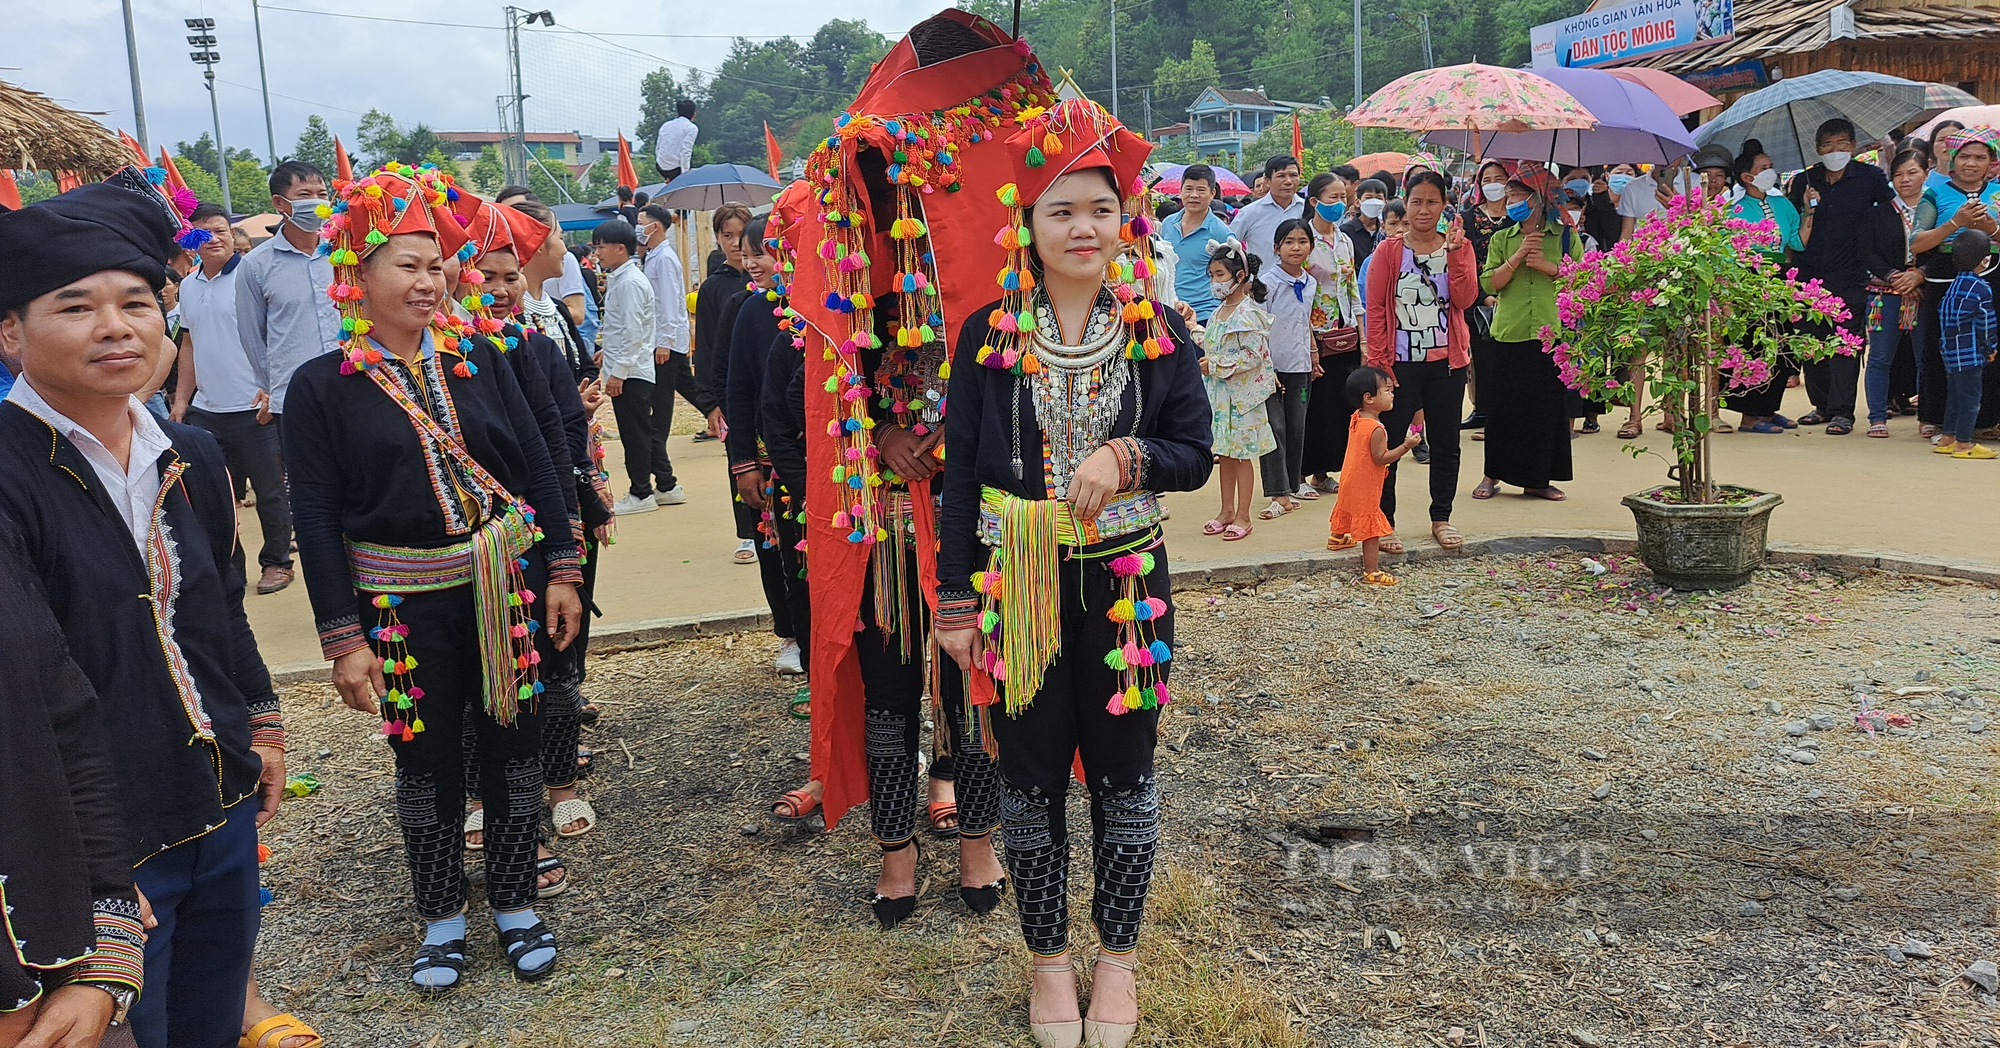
1377,578
1337,543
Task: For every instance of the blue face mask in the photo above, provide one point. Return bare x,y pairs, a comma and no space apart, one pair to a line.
1579,186
1331,212
1619,182
1520,210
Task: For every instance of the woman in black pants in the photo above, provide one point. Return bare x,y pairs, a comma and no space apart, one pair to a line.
1053,583
1419,287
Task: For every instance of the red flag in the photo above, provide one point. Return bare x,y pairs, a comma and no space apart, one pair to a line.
172,169
10,194
66,181
137,150
771,152
1298,140
628,176
343,168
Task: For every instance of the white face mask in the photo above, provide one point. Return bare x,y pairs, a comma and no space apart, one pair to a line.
1373,209
1765,179
1837,160
1221,288
645,235
1493,191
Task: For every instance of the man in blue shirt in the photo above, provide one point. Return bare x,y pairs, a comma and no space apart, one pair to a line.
1190,232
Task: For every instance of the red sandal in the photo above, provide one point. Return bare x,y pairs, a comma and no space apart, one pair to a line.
795,807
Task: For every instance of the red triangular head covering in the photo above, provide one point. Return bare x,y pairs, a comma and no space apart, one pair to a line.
394,200
1076,134
491,227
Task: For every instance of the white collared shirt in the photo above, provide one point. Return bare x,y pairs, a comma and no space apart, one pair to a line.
135,487
675,146
627,334
670,315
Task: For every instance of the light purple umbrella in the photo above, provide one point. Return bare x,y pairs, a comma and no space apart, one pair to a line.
1633,127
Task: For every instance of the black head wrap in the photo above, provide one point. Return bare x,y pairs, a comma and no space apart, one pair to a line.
90,229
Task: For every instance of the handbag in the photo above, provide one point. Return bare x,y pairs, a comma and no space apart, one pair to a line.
1336,341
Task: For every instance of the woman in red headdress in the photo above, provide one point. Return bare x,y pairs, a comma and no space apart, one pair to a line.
417,471
1074,400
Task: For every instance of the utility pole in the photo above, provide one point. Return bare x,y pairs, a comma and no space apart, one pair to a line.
1146,93
203,38
264,83
1357,71
1425,21
1114,58
517,155
132,59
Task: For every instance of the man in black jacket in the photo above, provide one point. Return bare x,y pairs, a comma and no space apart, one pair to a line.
130,522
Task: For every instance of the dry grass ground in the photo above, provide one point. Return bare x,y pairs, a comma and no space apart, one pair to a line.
1507,803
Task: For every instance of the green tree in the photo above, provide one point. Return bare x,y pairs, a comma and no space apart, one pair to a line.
1329,141
201,181
377,137
549,182
35,186
1179,81
249,186
488,174
601,182
315,145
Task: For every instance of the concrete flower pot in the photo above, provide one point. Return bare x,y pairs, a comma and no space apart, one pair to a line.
1698,547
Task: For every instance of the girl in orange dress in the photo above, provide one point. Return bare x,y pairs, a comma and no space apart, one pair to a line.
1357,511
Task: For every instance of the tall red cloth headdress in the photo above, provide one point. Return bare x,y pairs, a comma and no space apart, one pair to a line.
902,210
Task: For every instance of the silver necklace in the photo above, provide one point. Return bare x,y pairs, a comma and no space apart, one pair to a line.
1080,389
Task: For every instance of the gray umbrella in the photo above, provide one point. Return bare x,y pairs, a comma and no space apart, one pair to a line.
712,185
1786,115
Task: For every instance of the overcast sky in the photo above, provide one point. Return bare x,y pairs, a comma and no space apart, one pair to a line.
442,75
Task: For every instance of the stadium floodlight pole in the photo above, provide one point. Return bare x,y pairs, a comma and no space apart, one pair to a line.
202,36
1357,72
516,18
132,60
1114,58
264,83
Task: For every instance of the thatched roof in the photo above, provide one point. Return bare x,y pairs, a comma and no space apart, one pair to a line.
36,134
1776,28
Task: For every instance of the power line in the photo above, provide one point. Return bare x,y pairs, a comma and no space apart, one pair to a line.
496,28
295,98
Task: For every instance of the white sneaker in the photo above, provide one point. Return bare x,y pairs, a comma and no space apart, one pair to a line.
788,659
671,498
629,505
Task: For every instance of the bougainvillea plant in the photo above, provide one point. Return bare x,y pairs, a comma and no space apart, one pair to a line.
1689,308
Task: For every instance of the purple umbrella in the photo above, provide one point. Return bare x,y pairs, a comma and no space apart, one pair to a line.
1633,127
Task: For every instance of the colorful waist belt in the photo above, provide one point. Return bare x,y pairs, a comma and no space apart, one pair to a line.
1027,536
502,607
1122,515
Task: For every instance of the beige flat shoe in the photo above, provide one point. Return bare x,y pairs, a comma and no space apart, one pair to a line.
1110,1035
1057,1035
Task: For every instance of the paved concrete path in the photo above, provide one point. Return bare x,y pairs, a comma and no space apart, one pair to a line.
1890,496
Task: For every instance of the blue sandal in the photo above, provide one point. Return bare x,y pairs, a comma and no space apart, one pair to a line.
1761,426
519,942
449,956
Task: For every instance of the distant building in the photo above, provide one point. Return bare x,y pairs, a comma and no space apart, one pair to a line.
1172,134
1222,121
564,147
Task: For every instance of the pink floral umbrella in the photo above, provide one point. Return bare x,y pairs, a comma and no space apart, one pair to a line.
1472,97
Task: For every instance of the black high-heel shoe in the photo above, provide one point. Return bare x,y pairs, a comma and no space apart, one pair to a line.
892,912
983,898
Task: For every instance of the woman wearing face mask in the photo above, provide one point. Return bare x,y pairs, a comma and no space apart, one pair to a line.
1969,199
1481,219
1417,291
1527,418
1757,177
1336,332
1061,433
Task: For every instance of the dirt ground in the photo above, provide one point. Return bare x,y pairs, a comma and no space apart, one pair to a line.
1509,802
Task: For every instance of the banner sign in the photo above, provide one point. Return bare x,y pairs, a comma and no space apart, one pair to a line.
1633,30
1736,76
